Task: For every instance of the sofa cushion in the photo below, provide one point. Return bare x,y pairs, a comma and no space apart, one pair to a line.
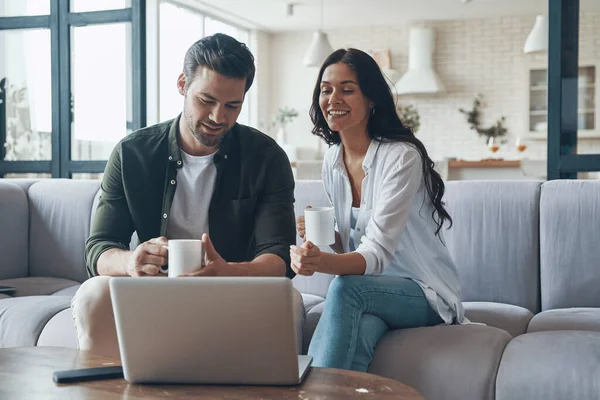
445,362
25,183
22,319
60,223
310,324
318,284
69,291
569,252
311,300
469,354
14,230
59,331
573,319
551,366
36,286
494,240
512,319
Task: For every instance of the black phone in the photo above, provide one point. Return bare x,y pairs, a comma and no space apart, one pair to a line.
4,289
87,374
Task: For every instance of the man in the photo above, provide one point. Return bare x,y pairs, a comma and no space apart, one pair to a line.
199,173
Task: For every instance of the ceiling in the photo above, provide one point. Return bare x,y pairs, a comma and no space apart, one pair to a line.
272,15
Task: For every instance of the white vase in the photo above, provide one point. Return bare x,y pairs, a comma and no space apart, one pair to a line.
281,137
290,149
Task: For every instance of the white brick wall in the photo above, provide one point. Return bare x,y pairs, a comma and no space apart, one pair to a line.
472,56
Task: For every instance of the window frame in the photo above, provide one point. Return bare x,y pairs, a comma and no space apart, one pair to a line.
563,71
59,22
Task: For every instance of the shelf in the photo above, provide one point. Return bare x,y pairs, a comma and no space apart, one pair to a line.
544,112
539,87
490,163
583,134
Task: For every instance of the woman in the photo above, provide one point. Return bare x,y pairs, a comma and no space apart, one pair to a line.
393,268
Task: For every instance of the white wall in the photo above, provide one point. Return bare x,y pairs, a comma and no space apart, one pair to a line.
260,43
472,56
292,85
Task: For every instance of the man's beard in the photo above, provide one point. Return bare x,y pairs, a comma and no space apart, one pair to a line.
205,139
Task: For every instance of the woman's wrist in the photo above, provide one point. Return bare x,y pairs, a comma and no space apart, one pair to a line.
323,261
352,263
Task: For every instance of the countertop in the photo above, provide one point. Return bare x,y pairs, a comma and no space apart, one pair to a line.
490,163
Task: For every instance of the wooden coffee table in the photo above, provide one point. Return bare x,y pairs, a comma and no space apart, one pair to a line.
26,373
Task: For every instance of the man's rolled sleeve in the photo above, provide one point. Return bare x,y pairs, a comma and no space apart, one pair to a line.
112,225
275,229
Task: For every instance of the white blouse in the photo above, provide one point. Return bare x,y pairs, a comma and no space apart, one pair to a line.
395,231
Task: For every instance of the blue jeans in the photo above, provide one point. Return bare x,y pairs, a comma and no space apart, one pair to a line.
359,310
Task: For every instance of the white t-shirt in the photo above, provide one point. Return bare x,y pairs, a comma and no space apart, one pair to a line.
195,187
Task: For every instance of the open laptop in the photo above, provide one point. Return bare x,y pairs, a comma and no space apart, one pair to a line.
209,330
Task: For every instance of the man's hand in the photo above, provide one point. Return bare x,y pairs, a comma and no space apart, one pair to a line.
306,259
215,264
300,226
148,257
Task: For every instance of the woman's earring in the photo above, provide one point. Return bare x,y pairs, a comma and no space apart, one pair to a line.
372,110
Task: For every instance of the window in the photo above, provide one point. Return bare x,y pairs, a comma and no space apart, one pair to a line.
22,8
27,95
180,27
572,92
72,83
97,177
101,90
27,176
87,5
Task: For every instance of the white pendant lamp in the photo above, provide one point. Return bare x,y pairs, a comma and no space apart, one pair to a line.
319,48
538,37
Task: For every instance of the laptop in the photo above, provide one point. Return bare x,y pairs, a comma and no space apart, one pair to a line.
208,330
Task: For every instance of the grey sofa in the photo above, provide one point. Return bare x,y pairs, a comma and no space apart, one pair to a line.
528,254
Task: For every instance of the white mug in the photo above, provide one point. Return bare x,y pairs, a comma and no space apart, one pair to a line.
319,225
185,256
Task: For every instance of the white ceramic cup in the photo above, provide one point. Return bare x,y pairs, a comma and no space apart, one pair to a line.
185,256
319,225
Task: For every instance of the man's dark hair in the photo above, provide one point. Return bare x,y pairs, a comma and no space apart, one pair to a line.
222,54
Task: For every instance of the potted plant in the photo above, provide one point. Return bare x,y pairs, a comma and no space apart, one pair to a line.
284,116
409,117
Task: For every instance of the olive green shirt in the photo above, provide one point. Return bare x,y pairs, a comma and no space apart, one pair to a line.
251,211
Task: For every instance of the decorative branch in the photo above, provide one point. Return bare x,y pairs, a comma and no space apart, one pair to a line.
473,119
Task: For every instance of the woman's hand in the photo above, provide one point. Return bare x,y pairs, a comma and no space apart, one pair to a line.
300,226
306,259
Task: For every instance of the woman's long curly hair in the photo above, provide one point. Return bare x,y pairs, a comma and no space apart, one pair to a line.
384,124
